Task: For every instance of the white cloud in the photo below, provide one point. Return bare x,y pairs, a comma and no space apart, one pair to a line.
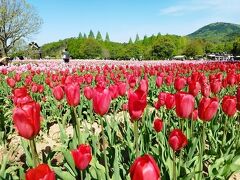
214,6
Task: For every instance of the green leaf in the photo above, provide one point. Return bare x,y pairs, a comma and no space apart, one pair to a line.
68,156
27,153
63,174
116,174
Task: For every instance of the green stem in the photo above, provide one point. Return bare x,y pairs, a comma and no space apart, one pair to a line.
182,124
136,137
77,125
81,175
35,157
238,132
191,133
224,132
202,145
104,150
174,166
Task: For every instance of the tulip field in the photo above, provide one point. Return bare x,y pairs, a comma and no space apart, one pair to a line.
116,120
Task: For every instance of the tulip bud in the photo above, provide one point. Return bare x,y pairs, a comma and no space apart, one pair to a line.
88,92
207,108
177,140
72,91
158,125
42,171
229,105
145,168
101,101
184,104
82,156
58,93
27,119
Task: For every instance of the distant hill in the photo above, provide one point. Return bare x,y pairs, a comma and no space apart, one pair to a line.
216,32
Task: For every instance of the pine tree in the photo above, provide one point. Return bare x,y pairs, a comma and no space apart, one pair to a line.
99,36
130,41
107,39
91,34
84,36
80,36
137,38
145,39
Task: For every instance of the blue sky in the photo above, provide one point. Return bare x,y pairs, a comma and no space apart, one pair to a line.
125,18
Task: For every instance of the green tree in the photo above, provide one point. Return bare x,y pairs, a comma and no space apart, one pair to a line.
236,47
163,48
99,36
91,49
80,35
84,36
130,41
91,34
210,47
18,20
137,38
107,39
194,48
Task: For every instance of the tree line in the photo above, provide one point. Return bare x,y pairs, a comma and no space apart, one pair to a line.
154,47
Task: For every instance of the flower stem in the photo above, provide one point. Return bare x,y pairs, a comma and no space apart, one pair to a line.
104,150
35,157
174,166
76,125
202,145
136,137
81,175
224,132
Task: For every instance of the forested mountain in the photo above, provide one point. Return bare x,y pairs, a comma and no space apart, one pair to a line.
217,32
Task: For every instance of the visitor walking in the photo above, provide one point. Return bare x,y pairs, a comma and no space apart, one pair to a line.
66,55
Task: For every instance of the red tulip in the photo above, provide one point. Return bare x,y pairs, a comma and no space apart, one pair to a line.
169,80
40,88
17,77
238,99
179,83
122,88
58,93
158,125
132,81
27,119
216,86
205,90
194,88
207,108
184,104
88,92
177,140
113,89
145,168
170,101
159,81
41,172
194,115
229,104
161,100
34,88
21,96
101,101
11,82
231,79
72,91
137,101
82,156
